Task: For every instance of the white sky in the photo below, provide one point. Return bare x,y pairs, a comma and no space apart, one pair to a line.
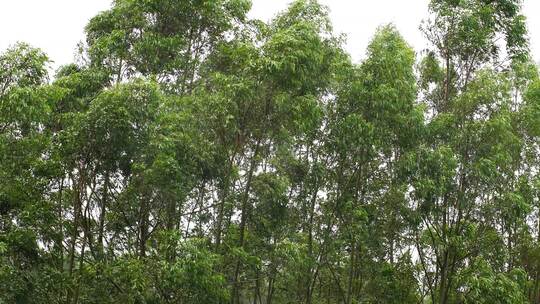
57,25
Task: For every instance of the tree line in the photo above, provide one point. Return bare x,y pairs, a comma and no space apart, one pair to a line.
194,155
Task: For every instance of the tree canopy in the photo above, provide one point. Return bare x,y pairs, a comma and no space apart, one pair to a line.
195,155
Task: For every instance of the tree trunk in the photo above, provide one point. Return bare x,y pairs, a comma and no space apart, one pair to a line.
243,220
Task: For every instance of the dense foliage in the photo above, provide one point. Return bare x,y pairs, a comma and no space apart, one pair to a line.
194,155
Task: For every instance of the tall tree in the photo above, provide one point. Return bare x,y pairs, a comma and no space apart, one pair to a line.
463,170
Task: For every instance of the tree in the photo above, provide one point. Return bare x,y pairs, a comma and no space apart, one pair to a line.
462,170
26,217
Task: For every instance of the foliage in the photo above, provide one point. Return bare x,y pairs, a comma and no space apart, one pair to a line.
197,156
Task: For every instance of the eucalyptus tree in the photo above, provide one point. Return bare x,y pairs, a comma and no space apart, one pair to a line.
373,122
26,217
469,162
528,247
267,101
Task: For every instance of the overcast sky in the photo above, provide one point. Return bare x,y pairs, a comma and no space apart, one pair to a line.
57,25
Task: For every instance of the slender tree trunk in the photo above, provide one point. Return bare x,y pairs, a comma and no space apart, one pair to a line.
79,187
75,228
79,278
143,227
243,220
444,288
270,293
310,242
351,272
224,195
60,240
257,299
104,203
